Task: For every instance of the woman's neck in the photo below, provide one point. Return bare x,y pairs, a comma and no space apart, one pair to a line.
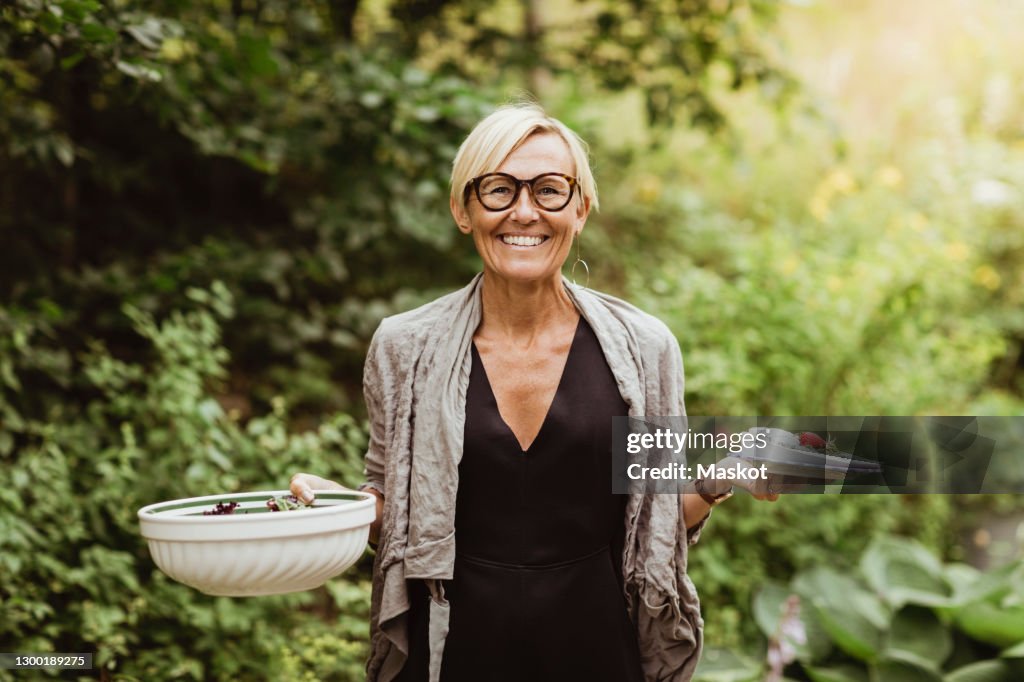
520,313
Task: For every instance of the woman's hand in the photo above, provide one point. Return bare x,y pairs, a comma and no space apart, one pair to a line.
302,486
759,488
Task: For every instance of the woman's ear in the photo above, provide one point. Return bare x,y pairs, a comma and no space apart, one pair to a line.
582,211
461,215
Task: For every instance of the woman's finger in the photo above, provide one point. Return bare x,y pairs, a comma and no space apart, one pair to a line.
301,487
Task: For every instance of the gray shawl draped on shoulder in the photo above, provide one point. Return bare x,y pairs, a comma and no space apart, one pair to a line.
415,381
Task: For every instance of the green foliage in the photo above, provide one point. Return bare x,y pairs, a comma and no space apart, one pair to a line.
188,177
749,544
671,52
331,648
807,273
955,624
791,316
75,573
238,143
182,178
853,269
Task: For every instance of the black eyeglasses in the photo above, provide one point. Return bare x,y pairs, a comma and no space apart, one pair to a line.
498,191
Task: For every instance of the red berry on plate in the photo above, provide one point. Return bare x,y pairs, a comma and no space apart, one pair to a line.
812,440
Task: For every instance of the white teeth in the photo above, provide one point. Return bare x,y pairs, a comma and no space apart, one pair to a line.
519,240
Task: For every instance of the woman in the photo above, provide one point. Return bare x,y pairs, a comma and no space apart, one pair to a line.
491,412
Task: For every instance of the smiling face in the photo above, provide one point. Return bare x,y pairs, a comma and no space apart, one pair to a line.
524,243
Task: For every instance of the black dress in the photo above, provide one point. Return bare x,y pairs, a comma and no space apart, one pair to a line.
537,587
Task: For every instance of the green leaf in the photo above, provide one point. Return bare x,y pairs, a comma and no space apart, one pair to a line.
982,671
819,644
902,571
825,585
838,674
8,377
917,633
76,10
63,150
69,62
842,673
903,670
768,607
139,71
6,442
868,606
93,32
851,631
258,54
149,33
218,458
986,622
973,586
426,114
371,99
838,596
720,665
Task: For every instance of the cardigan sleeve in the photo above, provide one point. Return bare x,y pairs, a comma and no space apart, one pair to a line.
673,376
374,462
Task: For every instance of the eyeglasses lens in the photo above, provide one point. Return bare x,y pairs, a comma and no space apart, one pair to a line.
550,192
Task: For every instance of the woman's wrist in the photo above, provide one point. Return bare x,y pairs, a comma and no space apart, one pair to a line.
713,491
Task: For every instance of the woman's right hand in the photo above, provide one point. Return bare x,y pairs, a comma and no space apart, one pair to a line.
302,486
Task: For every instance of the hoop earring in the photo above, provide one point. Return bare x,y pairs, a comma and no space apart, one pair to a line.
579,261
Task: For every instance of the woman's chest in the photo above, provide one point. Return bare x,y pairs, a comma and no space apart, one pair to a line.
524,387
523,379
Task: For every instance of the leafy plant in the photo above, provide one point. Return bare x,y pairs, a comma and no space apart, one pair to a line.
903,615
76,574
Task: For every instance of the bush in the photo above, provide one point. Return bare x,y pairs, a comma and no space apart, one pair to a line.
749,543
902,615
111,436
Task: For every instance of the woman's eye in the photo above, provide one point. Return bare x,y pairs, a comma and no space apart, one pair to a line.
498,190
550,191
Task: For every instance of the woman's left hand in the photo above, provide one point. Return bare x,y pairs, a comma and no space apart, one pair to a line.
759,488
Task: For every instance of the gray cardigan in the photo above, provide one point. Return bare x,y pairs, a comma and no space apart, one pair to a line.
415,382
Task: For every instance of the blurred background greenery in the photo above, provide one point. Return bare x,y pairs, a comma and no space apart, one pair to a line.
206,208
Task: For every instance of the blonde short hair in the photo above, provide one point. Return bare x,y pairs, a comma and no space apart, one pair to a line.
498,135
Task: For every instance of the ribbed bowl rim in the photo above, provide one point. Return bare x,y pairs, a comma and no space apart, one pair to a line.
159,510
171,520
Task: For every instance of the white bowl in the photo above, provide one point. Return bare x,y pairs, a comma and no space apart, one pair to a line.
255,551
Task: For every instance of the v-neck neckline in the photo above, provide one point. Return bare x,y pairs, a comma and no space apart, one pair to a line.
547,414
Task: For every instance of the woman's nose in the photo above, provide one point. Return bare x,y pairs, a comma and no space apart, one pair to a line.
524,210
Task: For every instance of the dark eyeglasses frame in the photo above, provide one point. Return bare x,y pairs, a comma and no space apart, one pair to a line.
474,184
